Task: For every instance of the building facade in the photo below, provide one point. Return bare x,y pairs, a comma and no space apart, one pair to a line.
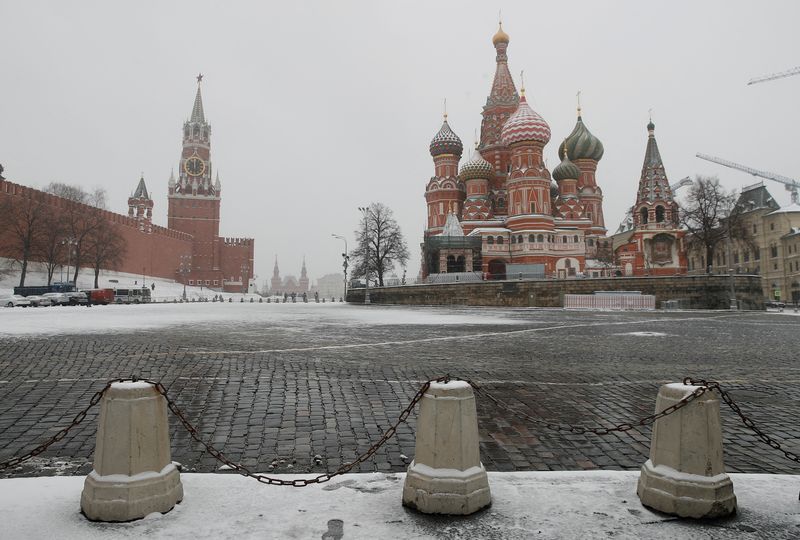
769,245
516,217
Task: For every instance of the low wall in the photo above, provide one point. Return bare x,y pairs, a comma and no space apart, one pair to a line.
693,292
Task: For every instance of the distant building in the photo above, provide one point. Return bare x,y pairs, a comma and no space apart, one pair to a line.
330,286
771,248
289,284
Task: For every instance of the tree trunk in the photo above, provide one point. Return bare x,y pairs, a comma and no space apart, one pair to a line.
24,271
96,277
709,259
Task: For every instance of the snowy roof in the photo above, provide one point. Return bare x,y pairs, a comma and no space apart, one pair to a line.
794,207
452,227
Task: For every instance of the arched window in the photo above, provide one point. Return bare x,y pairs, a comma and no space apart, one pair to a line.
643,213
499,239
659,214
490,239
565,239
513,239
519,239
540,238
532,238
575,238
590,242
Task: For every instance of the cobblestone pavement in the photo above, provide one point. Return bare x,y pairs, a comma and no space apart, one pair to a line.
283,391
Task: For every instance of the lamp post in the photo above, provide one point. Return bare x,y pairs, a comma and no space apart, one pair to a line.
346,259
366,212
185,268
69,242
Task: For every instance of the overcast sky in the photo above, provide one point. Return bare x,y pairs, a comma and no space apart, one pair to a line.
317,108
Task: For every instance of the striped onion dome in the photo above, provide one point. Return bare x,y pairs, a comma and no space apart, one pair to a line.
566,170
446,142
476,167
525,125
581,144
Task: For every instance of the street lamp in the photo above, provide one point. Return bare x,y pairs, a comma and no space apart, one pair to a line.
346,258
366,212
184,269
69,242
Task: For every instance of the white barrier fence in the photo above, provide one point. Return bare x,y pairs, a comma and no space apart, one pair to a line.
639,302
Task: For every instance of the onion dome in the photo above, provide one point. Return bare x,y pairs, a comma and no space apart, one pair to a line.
581,144
566,170
500,36
476,167
525,125
446,142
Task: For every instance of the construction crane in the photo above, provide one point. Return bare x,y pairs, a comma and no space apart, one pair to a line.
680,183
773,76
790,184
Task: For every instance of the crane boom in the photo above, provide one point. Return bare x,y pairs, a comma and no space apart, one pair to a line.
680,183
773,76
790,183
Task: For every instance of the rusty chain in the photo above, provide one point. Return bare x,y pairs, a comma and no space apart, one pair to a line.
299,482
13,462
579,430
726,397
703,387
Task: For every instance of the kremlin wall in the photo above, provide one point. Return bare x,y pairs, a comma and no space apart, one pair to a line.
191,242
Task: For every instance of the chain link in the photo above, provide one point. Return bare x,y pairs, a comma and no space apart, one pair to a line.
580,430
60,434
726,397
300,482
703,387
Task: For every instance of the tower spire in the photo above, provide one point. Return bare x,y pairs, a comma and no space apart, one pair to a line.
197,110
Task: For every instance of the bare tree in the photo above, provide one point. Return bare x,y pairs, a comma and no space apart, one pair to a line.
50,249
380,243
105,247
79,224
711,216
23,218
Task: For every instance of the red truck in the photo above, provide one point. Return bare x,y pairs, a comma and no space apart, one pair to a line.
100,296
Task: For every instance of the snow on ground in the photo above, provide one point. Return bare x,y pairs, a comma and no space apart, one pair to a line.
643,334
131,318
597,504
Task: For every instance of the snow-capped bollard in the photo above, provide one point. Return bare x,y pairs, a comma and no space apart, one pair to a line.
685,474
133,473
447,476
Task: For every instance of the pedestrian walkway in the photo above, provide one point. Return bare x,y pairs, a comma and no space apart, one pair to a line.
541,505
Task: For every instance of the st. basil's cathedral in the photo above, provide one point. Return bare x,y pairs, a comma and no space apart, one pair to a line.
504,215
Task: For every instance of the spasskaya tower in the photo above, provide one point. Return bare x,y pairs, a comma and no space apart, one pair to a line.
194,208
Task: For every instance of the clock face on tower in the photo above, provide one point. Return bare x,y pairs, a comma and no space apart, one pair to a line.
194,166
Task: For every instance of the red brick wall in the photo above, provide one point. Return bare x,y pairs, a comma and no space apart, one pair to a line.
157,253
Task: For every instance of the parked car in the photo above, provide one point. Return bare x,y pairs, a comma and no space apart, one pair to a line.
77,298
15,300
774,304
39,301
57,298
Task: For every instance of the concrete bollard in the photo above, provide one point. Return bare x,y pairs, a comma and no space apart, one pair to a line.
133,474
685,474
447,476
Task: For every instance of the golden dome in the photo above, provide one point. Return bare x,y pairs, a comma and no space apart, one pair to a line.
500,36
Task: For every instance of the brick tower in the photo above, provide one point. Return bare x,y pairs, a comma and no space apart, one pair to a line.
194,208
140,206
